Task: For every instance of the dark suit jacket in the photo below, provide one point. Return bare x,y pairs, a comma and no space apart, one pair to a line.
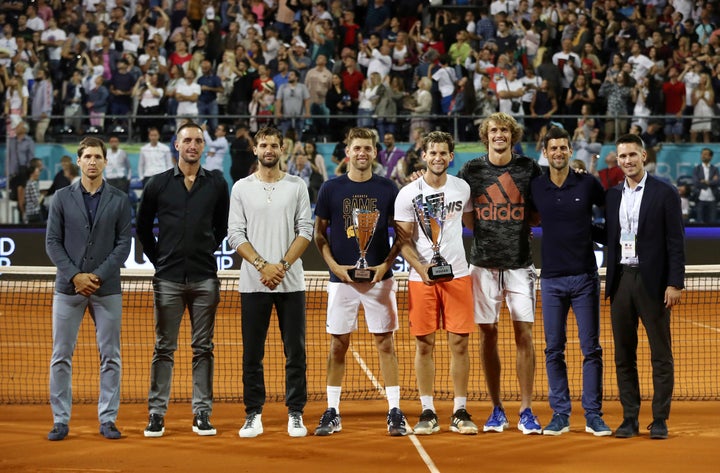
660,238
74,246
699,176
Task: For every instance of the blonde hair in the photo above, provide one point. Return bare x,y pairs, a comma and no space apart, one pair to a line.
501,118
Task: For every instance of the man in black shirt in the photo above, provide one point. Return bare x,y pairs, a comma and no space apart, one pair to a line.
191,205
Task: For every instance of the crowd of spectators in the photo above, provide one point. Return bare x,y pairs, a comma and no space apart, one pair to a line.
316,67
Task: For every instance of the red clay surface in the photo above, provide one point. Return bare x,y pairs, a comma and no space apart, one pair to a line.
362,446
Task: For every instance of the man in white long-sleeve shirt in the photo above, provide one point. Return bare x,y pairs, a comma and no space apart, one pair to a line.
117,169
270,225
375,58
155,157
217,149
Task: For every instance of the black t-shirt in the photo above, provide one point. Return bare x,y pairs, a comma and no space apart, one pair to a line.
501,202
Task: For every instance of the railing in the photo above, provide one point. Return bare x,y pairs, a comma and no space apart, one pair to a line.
127,123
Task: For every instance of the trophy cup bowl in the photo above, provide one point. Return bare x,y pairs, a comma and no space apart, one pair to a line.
365,222
431,214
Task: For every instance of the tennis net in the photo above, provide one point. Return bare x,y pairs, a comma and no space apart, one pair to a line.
26,345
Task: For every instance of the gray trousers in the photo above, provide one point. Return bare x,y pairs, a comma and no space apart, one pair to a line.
201,298
68,312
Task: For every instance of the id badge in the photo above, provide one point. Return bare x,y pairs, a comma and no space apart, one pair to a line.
627,243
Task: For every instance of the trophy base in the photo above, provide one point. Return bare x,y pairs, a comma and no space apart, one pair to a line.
361,274
442,272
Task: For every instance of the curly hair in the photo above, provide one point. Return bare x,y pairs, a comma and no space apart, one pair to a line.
501,118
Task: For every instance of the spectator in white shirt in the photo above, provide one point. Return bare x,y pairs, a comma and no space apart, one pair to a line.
510,92
641,64
34,22
186,94
155,157
8,45
217,149
117,169
375,58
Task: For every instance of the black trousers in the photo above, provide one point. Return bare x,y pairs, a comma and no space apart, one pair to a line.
630,303
256,309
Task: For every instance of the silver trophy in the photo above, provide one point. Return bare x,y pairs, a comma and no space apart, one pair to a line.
431,214
365,222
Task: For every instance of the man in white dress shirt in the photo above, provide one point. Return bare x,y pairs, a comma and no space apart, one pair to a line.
155,157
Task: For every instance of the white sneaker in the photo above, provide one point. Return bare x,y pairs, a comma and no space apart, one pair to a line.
253,426
296,428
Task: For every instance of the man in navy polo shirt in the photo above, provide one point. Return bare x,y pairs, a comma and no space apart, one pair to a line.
210,85
569,277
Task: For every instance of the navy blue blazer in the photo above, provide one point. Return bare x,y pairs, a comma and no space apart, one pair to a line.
660,238
75,246
699,176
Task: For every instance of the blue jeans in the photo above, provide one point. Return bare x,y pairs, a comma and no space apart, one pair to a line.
319,124
209,111
201,298
365,119
706,212
582,293
297,123
384,127
67,314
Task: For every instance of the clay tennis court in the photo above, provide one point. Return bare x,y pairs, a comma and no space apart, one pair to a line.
25,416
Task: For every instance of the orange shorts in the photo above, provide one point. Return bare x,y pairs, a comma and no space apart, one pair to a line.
447,305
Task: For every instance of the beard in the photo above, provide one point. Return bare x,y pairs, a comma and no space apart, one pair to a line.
268,162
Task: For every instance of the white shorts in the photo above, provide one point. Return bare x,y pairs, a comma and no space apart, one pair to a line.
378,301
516,286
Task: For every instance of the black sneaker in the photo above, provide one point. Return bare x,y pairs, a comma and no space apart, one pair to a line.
428,423
330,423
202,425
658,429
109,430
396,422
462,423
155,427
628,428
58,432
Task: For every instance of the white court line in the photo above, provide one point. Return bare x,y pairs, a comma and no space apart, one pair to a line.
424,455
709,327
421,451
366,370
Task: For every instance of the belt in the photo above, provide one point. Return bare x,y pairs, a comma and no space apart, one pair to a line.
626,268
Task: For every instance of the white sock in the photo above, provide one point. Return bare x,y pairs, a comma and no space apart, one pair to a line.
393,396
459,403
427,403
333,397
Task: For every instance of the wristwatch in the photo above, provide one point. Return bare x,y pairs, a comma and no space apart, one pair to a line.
285,264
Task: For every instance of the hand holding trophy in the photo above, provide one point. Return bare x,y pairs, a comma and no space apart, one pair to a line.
365,222
431,214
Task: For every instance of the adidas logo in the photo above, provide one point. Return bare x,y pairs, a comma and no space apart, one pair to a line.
501,202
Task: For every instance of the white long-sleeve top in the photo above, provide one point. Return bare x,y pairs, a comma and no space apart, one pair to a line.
270,216
118,165
217,149
154,160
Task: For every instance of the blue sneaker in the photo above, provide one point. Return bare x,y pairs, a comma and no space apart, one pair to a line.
597,426
109,431
528,423
559,424
58,432
497,422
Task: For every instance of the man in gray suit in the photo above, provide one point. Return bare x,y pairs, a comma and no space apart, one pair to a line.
88,239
